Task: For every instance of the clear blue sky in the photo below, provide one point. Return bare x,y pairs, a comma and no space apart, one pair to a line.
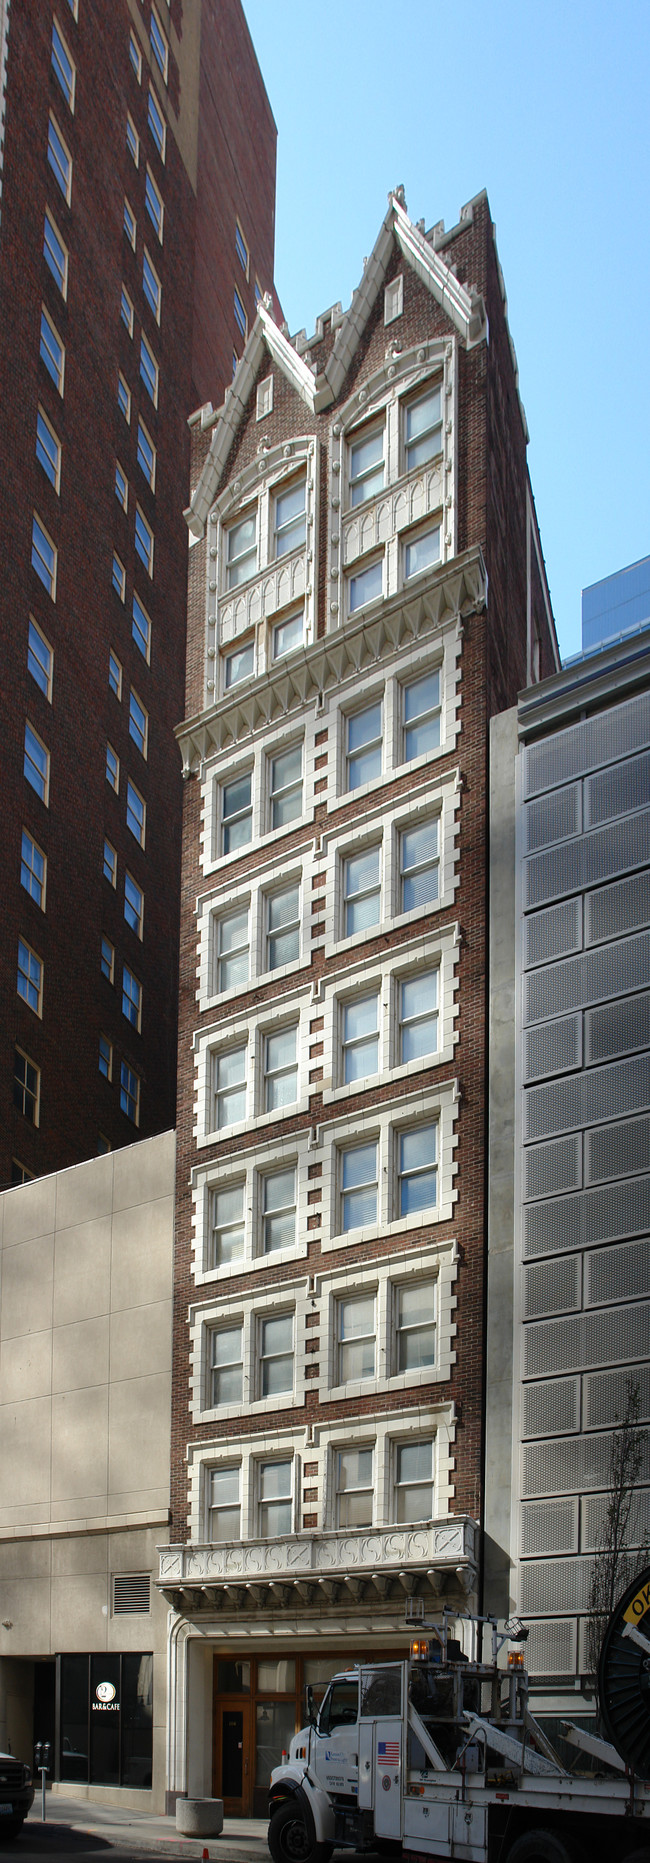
547,105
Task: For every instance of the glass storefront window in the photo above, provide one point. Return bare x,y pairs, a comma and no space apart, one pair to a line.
137,1720
105,1715
234,1678
275,1726
74,1719
276,1677
106,1719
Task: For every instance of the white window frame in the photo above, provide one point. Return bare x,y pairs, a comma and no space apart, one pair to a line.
250,1167
384,824
62,171
46,664
60,276
385,973
155,117
385,1123
248,1311
277,586
67,89
48,580
115,675
257,760
385,1277
252,893
248,1453
236,1031
57,375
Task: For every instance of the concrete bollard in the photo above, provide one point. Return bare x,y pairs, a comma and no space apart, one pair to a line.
199,1817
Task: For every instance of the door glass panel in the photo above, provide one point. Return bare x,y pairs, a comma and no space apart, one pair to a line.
275,1726
234,1678
232,1753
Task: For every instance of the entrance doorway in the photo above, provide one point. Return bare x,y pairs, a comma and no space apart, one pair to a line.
232,1756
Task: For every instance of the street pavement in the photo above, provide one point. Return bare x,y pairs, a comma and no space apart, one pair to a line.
87,1832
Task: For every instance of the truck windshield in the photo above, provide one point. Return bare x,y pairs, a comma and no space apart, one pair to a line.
340,1707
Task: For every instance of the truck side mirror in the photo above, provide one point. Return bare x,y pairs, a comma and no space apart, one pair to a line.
311,1711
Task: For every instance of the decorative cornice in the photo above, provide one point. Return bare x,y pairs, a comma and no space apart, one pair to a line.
453,590
326,1567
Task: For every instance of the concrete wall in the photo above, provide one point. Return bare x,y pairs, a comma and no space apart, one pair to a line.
501,1164
85,1370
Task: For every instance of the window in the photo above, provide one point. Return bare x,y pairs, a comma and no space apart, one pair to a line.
276,1355
20,1173
286,787
418,1173
275,1508
288,635
156,123
44,557
36,765
105,1057
232,950
129,223
241,248
146,454
423,429
107,960
55,253
356,1338
241,561
364,746
280,1070
52,351
279,1210
227,1226
141,627
130,1092
112,768
419,865
115,674
224,1508
230,1087
366,585
149,371
359,1186
59,158
124,399
135,56
366,466
30,977
144,541
131,997
27,1087
361,1038
237,813
283,933
159,44
416,1327
226,1381
418,1016
126,311
421,702
48,450
135,812
290,519
133,905
40,659
422,551
362,891
235,363
414,1481
132,140
119,577
110,863
240,664
62,65
240,315
33,868
121,486
151,286
138,723
74,8
354,1487
154,205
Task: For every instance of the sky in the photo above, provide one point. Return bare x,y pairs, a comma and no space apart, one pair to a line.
547,106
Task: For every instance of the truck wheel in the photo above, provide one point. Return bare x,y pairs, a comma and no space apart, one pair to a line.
638,1856
292,1839
11,1828
542,1847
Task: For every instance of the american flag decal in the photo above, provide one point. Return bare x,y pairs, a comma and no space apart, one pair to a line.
387,1752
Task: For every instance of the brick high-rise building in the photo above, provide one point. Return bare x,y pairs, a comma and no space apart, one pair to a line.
366,589
137,175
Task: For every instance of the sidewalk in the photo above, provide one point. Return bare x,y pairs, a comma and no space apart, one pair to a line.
243,1840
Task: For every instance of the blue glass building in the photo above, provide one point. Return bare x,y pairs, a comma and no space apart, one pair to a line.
618,605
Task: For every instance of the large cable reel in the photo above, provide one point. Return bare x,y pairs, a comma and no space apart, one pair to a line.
624,1676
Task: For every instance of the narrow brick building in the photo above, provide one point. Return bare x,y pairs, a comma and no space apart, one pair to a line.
366,589
137,180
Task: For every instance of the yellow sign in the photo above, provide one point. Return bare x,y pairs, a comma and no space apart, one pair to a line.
639,1605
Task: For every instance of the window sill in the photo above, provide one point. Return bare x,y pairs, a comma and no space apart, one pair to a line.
236,1270
336,1095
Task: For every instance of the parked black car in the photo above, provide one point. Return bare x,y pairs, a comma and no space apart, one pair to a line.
16,1795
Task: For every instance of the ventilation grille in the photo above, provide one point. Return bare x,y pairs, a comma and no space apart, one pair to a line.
553,933
616,909
610,970
552,1048
618,1029
596,856
584,1099
620,1273
552,1407
616,1151
131,1594
553,818
553,1167
616,792
551,1647
564,1585
601,1215
572,1465
594,1517
553,1287
549,1527
602,739
606,1394
589,1340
